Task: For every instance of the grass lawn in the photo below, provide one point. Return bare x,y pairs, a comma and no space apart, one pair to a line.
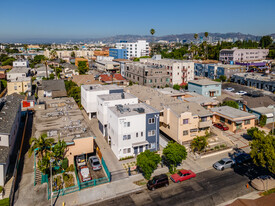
268,192
5,202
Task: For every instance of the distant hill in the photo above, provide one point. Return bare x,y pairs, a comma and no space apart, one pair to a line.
132,38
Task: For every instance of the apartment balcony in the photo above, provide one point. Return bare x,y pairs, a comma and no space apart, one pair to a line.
204,124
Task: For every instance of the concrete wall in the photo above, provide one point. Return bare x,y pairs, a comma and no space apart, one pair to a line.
79,146
205,89
17,87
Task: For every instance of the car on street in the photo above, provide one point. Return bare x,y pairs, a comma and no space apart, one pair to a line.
230,89
80,160
263,182
224,163
221,126
95,163
241,93
242,158
182,175
158,181
85,173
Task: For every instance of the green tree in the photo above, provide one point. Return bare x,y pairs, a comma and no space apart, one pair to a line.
251,131
199,143
196,36
51,76
82,67
262,121
176,87
263,150
9,61
265,41
73,54
148,161
173,154
42,144
206,34
59,150
152,32
222,78
231,103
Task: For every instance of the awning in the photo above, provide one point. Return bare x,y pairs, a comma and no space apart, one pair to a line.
269,115
140,143
239,122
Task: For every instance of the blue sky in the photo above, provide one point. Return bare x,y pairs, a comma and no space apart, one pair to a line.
89,18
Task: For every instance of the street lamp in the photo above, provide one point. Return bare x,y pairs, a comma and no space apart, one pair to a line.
51,161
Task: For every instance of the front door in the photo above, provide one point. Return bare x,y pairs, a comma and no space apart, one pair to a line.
135,150
140,149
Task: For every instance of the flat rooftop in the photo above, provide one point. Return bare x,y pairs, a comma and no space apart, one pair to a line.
19,70
170,91
204,82
202,100
132,109
232,112
256,76
21,79
264,110
194,108
61,119
116,96
99,87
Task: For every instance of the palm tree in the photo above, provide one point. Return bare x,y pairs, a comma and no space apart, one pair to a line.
199,143
59,150
196,36
45,62
43,145
206,35
152,31
53,54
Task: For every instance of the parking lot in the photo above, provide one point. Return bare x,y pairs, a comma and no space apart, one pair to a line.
94,174
239,87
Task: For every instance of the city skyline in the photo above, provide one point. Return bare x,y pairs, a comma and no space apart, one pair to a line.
88,19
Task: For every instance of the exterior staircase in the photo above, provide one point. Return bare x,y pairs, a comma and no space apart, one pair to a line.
7,188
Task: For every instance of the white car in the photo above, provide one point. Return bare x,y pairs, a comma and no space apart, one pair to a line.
241,92
230,89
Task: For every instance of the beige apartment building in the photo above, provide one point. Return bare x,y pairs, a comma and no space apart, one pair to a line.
67,53
181,121
19,85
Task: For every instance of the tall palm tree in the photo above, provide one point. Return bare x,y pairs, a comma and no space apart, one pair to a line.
43,145
196,36
152,31
45,62
59,150
206,34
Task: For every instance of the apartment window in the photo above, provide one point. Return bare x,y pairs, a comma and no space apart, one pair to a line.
151,120
15,87
247,122
185,121
126,124
126,137
203,119
151,133
126,150
222,119
137,134
161,114
141,134
155,80
185,132
229,122
152,146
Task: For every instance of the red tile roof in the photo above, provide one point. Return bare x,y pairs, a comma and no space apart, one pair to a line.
109,78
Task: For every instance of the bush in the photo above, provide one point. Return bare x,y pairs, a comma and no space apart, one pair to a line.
126,158
70,168
222,146
217,147
65,164
66,177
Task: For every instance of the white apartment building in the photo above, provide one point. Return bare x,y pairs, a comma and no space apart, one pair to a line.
180,71
67,53
21,63
18,72
110,100
132,129
89,95
136,49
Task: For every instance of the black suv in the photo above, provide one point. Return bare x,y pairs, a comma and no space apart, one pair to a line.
158,181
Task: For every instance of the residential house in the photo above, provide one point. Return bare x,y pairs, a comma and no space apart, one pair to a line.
69,70
111,100
205,102
53,89
107,66
21,63
41,72
112,79
84,79
261,111
89,95
18,72
205,87
10,117
132,129
122,65
235,119
77,60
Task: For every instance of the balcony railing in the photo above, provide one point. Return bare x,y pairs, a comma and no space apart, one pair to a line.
204,124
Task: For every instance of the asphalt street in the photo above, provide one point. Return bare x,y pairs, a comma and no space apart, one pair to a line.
208,188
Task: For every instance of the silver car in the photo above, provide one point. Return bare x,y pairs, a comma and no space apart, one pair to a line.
223,164
95,163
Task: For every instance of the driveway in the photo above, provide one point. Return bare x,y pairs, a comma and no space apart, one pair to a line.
240,140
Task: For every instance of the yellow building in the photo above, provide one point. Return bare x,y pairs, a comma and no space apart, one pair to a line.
19,85
77,60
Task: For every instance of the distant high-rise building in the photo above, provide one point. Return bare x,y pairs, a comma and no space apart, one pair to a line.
136,49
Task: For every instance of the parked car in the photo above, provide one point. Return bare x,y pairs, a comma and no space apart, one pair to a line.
85,173
264,182
182,175
230,89
241,92
158,181
223,164
242,158
221,126
80,160
95,163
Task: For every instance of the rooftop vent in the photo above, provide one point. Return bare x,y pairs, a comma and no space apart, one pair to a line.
122,109
140,110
